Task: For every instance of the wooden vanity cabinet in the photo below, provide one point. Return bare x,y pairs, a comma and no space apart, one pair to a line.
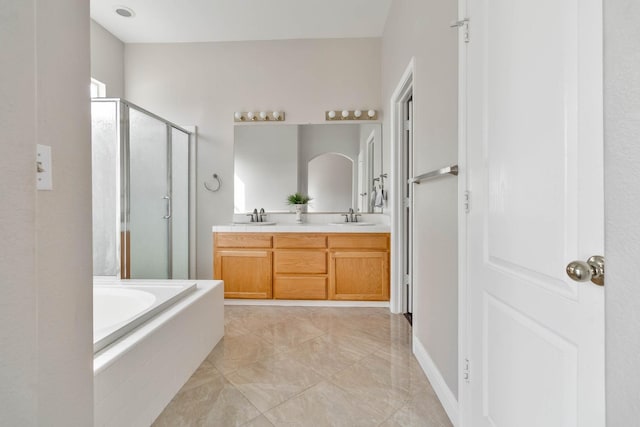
244,262
336,266
300,266
359,267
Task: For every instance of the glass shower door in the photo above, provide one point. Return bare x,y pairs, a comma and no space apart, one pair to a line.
149,198
180,204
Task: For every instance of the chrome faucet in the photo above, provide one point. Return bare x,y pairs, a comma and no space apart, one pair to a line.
351,216
254,216
262,215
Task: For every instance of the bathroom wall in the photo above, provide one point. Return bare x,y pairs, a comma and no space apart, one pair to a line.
622,209
45,259
420,29
107,60
18,279
204,83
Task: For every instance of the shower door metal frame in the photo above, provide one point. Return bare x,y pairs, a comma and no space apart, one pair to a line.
123,202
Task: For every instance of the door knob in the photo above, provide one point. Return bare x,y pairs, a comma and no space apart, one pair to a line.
593,270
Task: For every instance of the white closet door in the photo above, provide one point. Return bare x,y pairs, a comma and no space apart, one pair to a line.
534,153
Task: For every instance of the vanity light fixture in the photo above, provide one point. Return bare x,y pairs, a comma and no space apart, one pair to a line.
351,115
261,116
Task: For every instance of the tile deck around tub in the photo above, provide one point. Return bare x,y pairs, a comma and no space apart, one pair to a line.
308,366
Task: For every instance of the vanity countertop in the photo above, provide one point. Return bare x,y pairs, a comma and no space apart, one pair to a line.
301,228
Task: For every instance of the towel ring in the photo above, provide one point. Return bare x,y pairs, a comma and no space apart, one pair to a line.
217,179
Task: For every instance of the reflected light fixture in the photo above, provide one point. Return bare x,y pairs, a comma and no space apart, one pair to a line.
260,116
351,115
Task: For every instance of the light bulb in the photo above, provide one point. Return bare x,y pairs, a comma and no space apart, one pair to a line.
276,115
371,113
263,115
357,114
251,115
332,114
238,115
345,114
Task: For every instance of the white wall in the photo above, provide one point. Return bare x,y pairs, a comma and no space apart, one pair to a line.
45,261
204,83
107,60
622,209
18,305
420,29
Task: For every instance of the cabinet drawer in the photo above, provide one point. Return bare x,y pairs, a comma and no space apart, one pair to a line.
301,262
300,288
299,241
242,240
366,241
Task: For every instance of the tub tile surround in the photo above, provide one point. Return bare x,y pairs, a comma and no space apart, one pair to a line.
327,366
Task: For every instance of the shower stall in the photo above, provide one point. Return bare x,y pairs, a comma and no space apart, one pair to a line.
141,193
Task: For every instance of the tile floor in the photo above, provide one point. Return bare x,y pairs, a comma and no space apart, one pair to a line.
315,366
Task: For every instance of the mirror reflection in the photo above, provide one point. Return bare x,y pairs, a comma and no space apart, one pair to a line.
337,165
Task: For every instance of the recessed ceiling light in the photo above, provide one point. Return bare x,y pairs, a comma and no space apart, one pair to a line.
125,12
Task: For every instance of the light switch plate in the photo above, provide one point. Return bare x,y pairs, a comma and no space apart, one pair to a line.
43,168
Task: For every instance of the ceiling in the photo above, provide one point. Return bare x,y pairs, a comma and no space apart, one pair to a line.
172,21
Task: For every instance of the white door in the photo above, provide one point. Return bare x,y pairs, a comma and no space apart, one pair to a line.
535,338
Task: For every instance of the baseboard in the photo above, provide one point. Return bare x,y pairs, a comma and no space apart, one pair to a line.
444,393
306,303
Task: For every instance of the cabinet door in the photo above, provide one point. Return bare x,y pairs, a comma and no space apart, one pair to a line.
359,276
246,273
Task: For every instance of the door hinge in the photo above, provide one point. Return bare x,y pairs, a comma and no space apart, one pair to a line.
467,201
464,23
406,280
466,371
407,125
406,202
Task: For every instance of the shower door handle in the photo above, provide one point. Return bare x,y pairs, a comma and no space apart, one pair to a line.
168,215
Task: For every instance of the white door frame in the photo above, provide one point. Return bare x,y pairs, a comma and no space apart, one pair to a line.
399,96
463,288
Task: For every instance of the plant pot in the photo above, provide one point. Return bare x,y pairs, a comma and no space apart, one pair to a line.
299,209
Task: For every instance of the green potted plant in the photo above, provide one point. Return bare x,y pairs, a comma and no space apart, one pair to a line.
299,201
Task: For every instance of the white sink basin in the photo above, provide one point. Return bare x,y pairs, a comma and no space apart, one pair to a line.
254,223
351,223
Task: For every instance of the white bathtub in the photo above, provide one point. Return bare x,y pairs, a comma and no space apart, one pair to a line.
119,308
138,374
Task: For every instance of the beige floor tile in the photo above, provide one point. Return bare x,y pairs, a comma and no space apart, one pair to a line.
317,366
406,361
325,354
371,380
232,353
269,383
260,421
212,403
325,405
289,333
422,410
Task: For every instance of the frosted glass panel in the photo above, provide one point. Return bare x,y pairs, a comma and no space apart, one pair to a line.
147,197
105,190
180,202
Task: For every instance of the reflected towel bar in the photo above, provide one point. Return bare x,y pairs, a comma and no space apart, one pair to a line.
449,170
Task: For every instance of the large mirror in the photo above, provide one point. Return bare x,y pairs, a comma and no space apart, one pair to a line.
337,165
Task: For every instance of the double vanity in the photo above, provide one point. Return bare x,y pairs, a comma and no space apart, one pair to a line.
344,262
